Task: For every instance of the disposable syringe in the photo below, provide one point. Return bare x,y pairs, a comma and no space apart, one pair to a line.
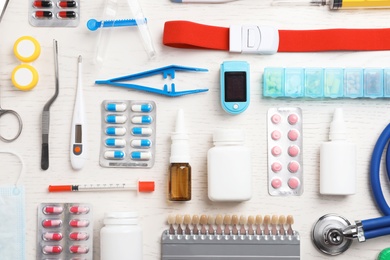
141,186
337,4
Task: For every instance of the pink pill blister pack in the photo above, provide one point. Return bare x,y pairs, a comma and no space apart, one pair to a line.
285,169
65,231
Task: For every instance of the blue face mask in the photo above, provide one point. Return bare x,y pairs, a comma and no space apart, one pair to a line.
12,217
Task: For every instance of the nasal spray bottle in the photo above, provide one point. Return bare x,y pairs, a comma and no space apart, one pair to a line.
180,169
338,160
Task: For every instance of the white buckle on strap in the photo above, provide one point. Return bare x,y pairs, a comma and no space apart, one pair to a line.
253,39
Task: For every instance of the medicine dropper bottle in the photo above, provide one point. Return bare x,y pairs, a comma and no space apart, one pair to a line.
338,160
179,169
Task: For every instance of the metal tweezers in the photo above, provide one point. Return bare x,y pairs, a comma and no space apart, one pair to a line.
165,71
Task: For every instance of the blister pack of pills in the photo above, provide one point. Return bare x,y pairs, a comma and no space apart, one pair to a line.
54,13
285,160
65,231
128,134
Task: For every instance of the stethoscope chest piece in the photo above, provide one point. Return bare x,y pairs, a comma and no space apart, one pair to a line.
327,234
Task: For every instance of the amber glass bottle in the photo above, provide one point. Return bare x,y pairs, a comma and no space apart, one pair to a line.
180,169
180,182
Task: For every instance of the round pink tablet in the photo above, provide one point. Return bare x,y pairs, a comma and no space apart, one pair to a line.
293,150
293,166
275,135
293,183
276,167
292,119
276,151
276,119
276,183
293,135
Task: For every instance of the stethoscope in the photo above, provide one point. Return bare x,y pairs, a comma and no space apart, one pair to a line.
333,234
20,123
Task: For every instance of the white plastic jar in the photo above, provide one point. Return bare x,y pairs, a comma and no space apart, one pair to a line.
121,237
229,167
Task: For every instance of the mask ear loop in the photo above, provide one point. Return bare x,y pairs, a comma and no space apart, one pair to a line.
21,170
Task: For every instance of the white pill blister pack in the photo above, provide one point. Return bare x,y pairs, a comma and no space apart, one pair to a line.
285,160
128,134
65,231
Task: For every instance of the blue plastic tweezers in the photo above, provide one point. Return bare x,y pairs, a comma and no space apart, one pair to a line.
168,70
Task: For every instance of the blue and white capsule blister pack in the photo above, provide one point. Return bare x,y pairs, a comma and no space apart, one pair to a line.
285,160
65,231
128,134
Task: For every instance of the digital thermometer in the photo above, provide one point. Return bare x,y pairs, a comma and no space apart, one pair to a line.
235,86
78,146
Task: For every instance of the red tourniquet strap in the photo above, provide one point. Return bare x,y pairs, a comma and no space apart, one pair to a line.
184,34
334,40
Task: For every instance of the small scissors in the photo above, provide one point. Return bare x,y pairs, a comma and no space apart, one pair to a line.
15,114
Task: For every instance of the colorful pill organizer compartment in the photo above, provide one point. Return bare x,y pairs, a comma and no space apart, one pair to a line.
54,13
65,231
128,134
285,160
326,83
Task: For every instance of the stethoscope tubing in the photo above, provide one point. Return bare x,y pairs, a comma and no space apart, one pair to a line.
379,226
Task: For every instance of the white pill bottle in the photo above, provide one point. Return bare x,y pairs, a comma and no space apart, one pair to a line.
229,167
121,237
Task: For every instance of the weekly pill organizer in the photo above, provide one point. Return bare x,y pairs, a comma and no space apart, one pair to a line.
128,133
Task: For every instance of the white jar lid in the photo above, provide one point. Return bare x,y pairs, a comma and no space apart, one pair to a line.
121,218
121,214
229,135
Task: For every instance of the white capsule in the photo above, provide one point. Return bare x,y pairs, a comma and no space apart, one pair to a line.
140,155
142,107
114,119
145,131
139,143
115,142
115,131
116,107
114,155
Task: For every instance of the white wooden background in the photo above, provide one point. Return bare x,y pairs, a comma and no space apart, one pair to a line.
125,55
